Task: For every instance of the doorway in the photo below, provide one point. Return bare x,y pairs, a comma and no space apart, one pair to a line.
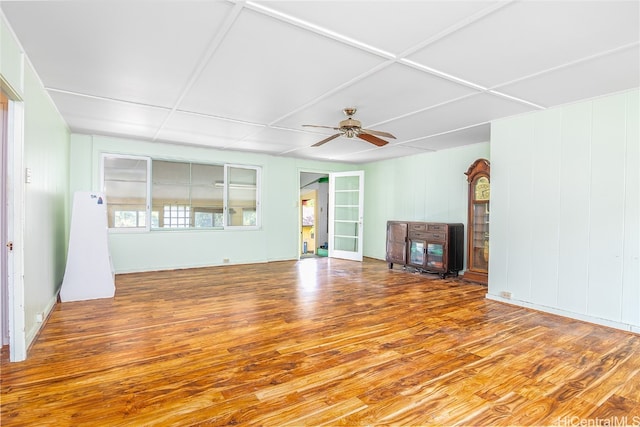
314,219
331,214
12,308
4,277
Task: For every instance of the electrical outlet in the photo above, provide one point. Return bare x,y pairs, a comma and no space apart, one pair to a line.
39,318
225,260
505,294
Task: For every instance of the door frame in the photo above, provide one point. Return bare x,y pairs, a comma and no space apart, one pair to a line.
14,225
299,204
4,260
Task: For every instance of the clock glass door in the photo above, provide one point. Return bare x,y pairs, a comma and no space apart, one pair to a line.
480,243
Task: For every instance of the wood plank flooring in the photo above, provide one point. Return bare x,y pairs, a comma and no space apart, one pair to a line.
316,342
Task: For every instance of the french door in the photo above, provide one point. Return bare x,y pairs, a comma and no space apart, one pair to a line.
346,205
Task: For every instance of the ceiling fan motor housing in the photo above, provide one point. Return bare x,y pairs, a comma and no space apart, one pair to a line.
350,127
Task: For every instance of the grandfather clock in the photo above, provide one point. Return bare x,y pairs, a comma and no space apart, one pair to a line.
478,222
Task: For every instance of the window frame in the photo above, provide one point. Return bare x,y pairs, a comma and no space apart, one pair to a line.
228,167
146,159
226,219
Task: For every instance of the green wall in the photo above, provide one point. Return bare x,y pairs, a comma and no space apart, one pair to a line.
44,150
161,250
429,187
565,210
46,154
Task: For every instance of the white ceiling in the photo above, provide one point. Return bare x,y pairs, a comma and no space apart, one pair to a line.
246,76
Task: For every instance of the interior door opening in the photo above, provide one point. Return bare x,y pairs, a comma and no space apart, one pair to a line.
314,219
12,306
4,277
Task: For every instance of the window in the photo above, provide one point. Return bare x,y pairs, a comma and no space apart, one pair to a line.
208,218
186,194
308,212
129,219
182,194
176,216
242,196
125,184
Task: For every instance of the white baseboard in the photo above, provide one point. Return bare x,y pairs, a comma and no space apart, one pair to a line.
32,333
577,316
187,267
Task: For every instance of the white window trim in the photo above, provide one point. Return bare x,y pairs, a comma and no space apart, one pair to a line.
147,226
258,170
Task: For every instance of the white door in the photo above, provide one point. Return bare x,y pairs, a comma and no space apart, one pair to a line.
346,205
4,241
13,219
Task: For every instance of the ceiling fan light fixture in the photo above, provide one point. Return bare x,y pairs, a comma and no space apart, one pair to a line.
350,111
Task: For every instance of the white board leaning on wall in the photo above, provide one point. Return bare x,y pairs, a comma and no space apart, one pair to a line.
89,272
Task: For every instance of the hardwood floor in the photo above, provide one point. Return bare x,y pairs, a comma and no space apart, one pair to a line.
317,342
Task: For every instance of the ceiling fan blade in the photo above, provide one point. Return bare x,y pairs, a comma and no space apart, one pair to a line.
377,132
373,139
319,143
318,126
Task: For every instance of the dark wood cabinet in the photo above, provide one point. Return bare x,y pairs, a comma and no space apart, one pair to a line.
429,247
396,243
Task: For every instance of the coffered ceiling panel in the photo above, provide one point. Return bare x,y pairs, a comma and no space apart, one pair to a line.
246,75
277,141
391,26
474,134
377,154
114,118
205,130
142,52
470,111
262,75
391,92
598,76
528,37
340,149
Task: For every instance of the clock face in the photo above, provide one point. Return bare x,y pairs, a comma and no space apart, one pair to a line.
482,189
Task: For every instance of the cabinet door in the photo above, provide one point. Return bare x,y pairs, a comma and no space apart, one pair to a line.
436,256
417,252
397,242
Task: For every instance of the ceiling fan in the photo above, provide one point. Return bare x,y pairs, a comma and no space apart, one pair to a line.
352,127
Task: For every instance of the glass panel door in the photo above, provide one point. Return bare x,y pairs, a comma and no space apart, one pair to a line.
346,203
416,252
435,255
